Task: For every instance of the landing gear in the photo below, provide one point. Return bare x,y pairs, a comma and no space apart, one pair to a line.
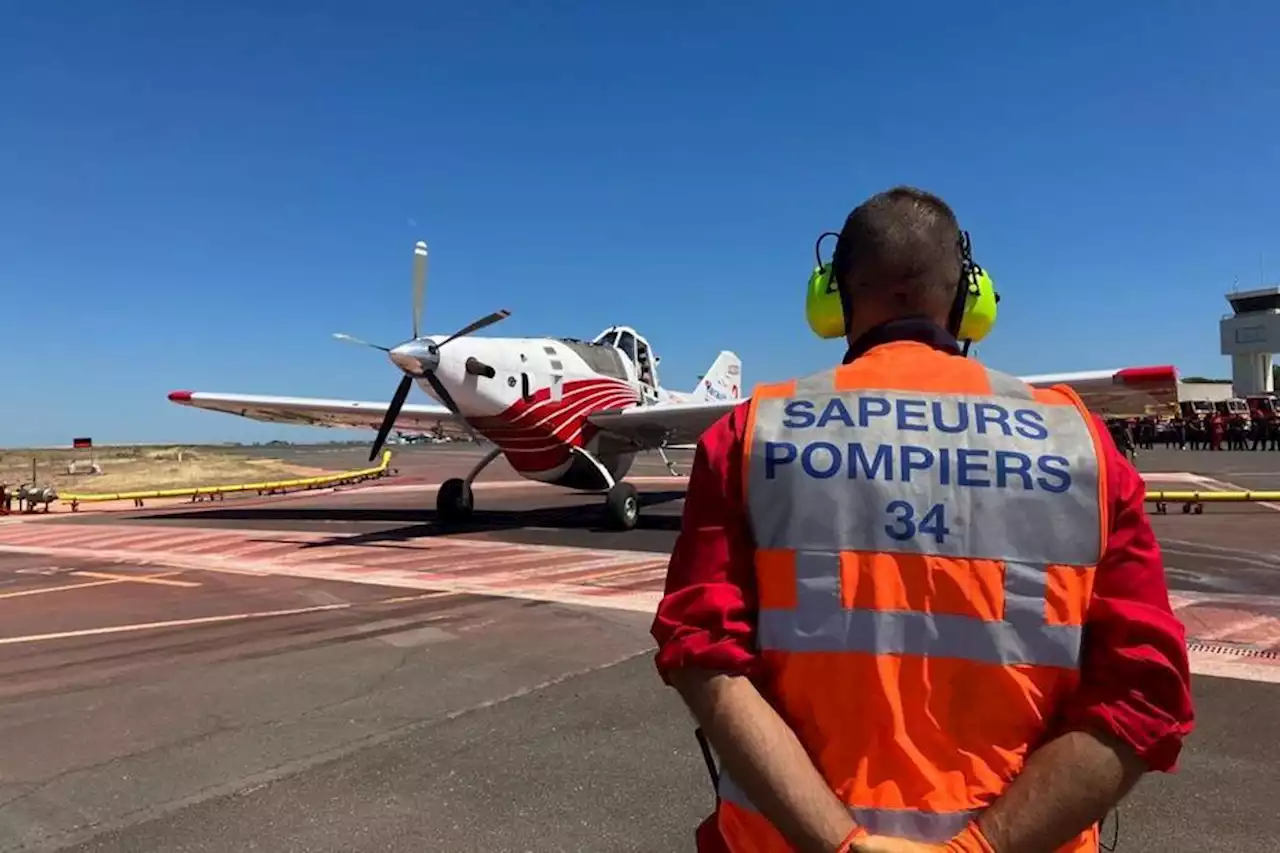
622,502
670,465
622,506
455,501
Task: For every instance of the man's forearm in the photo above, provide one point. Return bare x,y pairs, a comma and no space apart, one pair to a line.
1066,786
765,759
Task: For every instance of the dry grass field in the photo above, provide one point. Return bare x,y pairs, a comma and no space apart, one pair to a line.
127,469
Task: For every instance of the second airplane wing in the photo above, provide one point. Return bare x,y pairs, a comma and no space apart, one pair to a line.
1125,392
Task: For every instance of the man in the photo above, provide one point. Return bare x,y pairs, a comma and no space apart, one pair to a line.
875,606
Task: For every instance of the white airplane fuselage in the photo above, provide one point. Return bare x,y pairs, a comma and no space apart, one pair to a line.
535,405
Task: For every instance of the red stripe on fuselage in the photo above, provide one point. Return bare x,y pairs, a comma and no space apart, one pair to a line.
524,415
551,420
537,434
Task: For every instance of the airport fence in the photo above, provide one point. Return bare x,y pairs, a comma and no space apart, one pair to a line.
217,492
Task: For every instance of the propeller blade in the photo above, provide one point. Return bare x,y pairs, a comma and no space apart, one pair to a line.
482,323
447,399
350,339
442,393
393,411
419,283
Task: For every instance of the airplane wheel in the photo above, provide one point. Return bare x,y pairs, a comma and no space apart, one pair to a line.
454,501
622,506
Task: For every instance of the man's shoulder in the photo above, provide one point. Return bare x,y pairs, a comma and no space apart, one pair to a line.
727,432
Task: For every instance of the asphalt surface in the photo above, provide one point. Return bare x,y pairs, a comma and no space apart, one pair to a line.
337,713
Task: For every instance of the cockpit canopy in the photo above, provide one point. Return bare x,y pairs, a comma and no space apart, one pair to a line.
634,347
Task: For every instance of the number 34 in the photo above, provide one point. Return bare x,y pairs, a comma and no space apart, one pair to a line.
906,527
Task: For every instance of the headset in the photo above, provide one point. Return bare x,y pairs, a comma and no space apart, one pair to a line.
972,315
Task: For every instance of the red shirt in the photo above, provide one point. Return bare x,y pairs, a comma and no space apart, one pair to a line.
1134,673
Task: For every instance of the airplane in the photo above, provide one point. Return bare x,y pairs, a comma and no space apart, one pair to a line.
569,412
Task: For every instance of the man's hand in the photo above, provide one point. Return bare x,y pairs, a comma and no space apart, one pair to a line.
763,755
887,844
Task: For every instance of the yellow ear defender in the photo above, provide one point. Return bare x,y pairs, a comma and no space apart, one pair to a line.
822,304
825,313
980,303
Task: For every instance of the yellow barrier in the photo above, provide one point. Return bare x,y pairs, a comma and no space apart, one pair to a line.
277,486
1224,497
1193,502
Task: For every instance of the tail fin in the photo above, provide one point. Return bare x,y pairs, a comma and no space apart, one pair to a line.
722,382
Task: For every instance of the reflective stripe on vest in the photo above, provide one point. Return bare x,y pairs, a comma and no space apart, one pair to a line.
954,526
915,824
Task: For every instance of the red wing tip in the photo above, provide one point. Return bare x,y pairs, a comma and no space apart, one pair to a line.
180,396
1158,374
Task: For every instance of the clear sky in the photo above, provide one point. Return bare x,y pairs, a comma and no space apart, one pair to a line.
196,195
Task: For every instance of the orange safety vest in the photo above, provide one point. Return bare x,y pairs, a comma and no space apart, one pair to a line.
927,531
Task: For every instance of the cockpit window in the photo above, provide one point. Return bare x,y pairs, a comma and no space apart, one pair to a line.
604,360
644,363
627,343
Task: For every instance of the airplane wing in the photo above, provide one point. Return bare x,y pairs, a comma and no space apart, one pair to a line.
310,411
663,424
1131,391
1128,392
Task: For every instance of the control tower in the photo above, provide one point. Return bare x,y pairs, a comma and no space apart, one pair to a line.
1250,337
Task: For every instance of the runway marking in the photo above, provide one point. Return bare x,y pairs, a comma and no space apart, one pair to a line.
103,580
1224,486
1221,551
207,620
626,580
48,589
160,580
1172,476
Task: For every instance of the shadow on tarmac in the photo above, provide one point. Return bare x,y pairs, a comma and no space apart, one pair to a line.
420,523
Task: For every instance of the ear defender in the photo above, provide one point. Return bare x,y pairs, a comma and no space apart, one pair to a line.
825,314
980,301
822,304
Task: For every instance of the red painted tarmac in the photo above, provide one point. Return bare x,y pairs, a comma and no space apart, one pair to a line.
539,543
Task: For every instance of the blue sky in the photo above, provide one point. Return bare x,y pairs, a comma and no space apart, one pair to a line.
197,195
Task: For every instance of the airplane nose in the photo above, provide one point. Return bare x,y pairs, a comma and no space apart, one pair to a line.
416,357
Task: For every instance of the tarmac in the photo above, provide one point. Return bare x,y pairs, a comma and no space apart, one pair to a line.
330,671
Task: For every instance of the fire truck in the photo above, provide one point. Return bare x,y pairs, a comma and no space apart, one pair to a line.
1233,406
1262,406
1192,409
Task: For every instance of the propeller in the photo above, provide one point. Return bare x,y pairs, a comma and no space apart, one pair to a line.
419,357
354,340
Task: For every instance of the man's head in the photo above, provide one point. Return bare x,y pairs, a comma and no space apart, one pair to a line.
899,255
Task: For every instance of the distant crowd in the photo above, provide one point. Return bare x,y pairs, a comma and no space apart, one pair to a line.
1204,432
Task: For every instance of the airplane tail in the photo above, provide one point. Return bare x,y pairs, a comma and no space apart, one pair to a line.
723,381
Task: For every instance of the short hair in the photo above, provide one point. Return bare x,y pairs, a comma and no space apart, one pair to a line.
901,245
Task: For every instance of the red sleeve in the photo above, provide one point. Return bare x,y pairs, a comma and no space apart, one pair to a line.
706,619
1135,677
